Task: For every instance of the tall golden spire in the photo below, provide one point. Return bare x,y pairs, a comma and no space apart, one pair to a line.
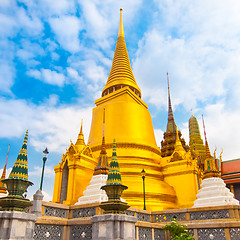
80,140
121,74
102,167
171,126
210,169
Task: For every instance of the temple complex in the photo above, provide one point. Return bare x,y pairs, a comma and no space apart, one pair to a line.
128,120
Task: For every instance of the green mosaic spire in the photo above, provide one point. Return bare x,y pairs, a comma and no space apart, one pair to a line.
20,168
114,176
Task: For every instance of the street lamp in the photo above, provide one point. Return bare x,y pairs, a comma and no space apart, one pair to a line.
143,177
45,153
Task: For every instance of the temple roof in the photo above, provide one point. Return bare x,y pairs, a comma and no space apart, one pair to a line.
121,73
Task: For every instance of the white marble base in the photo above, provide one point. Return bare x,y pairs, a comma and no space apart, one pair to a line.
214,192
93,193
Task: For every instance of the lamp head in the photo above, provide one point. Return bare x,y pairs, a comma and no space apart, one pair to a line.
45,152
143,173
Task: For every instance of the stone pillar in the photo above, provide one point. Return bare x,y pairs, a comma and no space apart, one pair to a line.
16,225
37,203
113,226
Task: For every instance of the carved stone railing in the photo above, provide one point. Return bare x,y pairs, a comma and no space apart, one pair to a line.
62,222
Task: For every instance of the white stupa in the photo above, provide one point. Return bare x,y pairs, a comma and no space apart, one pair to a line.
213,190
93,192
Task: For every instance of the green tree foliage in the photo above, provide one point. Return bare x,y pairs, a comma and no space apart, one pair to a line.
177,231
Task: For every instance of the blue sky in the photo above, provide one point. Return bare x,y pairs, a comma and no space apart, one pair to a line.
56,57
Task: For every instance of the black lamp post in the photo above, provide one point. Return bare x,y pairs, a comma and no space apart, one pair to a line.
45,153
143,177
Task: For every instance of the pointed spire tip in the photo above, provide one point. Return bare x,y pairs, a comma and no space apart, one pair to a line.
120,30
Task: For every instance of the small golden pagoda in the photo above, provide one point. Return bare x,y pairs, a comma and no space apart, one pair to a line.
196,142
74,172
171,181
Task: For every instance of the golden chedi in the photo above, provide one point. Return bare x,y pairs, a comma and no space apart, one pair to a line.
129,122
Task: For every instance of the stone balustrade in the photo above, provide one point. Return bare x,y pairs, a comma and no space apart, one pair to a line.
60,221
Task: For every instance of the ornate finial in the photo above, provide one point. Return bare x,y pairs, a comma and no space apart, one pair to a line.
80,140
208,154
221,155
205,135
5,167
210,169
20,168
102,167
3,188
120,30
171,126
178,142
81,126
214,154
104,122
178,145
191,111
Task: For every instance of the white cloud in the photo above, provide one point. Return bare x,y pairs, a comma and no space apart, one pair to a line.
30,24
53,100
7,76
59,7
9,24
34,73
52,77
48,76
67,29
28,51
48,126
74,76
